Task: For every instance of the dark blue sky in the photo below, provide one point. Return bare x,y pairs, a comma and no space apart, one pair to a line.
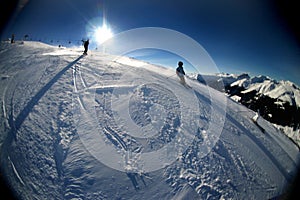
241,36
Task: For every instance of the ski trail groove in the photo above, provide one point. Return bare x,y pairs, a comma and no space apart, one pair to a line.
35,99
264,150
16,172
80,85
113,134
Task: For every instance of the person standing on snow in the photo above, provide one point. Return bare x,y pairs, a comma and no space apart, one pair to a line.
12,38
180,72
86,46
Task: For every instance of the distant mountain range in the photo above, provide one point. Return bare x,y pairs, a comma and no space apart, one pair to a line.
276,101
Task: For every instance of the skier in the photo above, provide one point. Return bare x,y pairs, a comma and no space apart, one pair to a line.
12,38
255,121
86,46
180,72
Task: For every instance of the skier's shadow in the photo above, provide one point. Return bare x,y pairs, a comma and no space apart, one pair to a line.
133,177
35,99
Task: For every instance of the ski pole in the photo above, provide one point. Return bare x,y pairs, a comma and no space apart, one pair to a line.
170,76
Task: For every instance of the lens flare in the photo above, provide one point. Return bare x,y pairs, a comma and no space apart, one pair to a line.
102,33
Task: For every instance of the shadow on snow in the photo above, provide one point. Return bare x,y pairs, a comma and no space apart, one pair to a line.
34,100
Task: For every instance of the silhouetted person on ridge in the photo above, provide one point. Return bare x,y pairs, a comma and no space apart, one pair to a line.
12,38
86,46
180,72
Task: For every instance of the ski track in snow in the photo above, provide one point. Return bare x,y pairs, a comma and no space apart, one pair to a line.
16,172
44,157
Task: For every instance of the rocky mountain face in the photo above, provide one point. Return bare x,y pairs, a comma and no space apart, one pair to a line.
276,101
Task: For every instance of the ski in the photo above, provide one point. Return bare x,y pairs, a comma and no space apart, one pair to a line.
186,85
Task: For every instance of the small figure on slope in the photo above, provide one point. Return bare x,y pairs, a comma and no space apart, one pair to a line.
180,72
255,120
12,38
86,46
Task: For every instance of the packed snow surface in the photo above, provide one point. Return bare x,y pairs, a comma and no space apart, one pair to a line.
107,127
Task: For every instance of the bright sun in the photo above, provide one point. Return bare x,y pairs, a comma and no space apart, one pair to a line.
103,33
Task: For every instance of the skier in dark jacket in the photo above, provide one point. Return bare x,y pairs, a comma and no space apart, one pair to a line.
180,72
12,38
86,46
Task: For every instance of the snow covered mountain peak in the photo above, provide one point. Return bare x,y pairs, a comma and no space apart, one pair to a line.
284,91
235,76
259,79
290,84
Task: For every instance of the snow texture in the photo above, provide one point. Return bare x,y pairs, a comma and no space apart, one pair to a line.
57,108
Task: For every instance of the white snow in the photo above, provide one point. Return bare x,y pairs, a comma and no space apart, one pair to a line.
290,132
284,91
236,98
16,172
107,127
241,83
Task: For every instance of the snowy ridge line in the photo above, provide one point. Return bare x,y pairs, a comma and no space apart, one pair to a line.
261,123
260,145
293,136
274,138
131,62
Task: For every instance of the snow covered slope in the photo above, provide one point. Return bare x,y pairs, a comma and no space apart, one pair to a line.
97,127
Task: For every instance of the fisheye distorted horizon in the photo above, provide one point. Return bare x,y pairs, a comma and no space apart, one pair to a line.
242,37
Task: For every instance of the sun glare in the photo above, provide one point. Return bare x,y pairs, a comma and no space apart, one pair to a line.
103,33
